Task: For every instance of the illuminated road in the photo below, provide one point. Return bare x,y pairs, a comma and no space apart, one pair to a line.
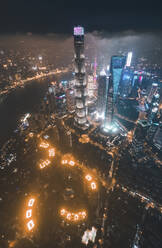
22,83
125,118
150,202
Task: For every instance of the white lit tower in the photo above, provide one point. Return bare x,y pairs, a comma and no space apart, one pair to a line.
80,79
102,94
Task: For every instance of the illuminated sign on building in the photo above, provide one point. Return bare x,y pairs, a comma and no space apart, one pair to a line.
78,31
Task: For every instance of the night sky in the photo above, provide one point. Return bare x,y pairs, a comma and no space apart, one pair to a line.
53,16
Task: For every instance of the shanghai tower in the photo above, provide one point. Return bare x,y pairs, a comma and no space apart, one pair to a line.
80,79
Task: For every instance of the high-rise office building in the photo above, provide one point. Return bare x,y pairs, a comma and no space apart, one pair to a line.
109,104
80,79
139,138
154,106
70,100
116,69
102,94
153,91
151,131
129,59
60,99
158,136
125,86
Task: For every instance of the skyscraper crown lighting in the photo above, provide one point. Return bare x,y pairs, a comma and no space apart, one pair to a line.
78,30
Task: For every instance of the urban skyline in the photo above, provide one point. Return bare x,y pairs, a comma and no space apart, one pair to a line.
81,142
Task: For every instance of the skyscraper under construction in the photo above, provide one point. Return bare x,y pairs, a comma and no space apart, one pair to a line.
80,80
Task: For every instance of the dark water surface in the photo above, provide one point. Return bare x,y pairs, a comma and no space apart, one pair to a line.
19,102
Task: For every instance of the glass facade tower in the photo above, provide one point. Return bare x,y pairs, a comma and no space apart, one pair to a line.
116,69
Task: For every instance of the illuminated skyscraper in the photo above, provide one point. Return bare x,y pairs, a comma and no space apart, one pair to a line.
80,80
70,100
129,59
125,86
154,105
102,94
139,138
116,69
109,104
153,91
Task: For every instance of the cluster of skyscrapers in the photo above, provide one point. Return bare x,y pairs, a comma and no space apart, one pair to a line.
108,85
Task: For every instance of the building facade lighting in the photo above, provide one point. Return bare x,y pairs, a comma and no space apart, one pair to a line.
30,225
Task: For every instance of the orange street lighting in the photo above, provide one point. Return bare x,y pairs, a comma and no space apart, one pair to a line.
31,202
93,185
30,225
88,177
28,213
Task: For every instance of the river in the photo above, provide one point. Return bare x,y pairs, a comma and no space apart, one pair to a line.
21,101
